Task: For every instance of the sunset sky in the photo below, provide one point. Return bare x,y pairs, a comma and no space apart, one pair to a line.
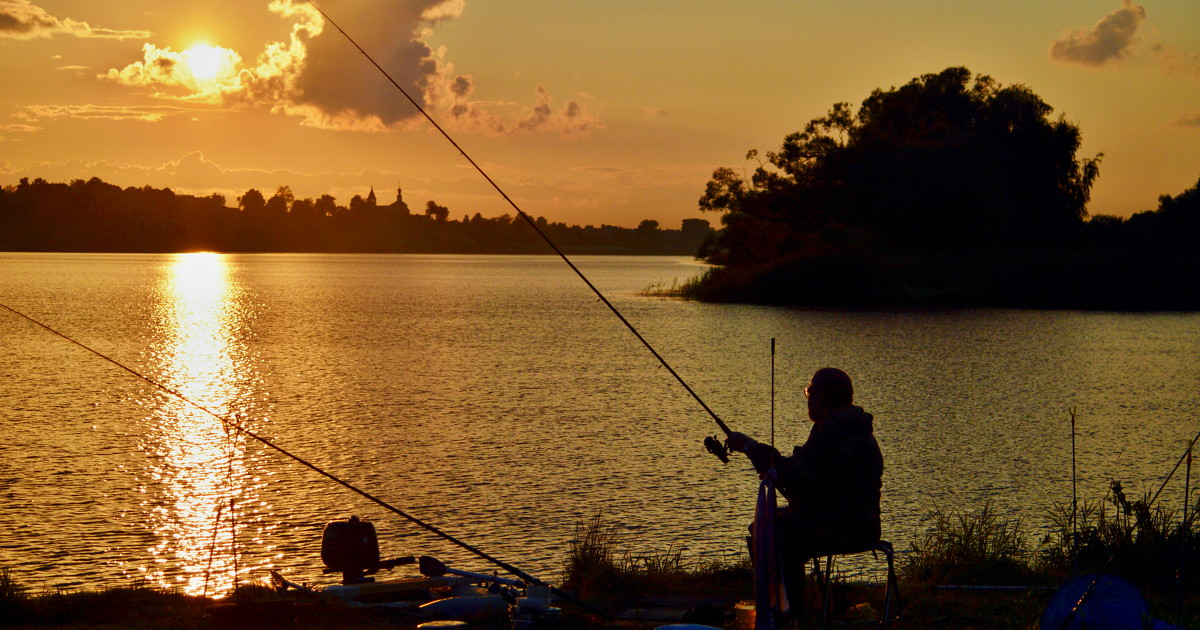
584,111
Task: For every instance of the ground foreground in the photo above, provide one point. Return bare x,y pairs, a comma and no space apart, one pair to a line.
853,605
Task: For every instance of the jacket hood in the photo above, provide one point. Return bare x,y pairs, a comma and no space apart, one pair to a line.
852,420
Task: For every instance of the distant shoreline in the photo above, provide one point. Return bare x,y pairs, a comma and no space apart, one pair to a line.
94,216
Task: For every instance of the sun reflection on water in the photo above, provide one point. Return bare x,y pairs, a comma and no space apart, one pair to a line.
202,494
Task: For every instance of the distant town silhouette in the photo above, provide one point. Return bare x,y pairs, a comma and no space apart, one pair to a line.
95,216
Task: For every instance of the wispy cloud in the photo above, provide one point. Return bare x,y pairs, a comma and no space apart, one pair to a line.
1110,39
151,113
7,131
21,19
1187,120
1176,61
318,76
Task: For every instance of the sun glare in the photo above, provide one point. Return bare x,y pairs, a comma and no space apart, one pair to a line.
208,63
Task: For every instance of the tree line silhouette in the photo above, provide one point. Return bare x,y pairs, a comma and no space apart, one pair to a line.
95,216
949,190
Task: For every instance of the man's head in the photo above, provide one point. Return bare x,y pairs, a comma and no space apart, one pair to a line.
829,392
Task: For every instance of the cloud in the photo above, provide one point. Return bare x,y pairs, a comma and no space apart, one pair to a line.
449,96
320,77
1110,39
16,128
21,19
1187,120
151,113
204,73
448,9
1176,61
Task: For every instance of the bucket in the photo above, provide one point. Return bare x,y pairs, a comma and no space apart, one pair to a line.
743,616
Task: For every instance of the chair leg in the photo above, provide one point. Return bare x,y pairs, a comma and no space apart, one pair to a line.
891,591
891,585
817,572
828,588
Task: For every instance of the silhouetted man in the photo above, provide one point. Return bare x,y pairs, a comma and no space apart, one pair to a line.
832,482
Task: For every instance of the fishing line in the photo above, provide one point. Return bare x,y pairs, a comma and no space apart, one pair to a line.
526,217
238,428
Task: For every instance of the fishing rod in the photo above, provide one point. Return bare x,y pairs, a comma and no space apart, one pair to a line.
712,443
1091,588
772,392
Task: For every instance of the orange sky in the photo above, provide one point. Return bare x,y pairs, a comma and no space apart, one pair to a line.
586,111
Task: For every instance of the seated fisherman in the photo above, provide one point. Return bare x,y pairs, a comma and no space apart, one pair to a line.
832,482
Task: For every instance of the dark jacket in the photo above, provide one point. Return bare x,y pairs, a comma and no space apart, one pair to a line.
832,482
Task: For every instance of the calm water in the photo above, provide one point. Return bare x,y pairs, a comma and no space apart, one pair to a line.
497,399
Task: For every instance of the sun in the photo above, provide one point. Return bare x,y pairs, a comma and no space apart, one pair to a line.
208,63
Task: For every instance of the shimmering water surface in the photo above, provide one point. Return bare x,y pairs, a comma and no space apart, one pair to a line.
495,398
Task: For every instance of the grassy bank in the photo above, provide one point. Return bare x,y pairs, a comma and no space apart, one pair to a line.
1153,547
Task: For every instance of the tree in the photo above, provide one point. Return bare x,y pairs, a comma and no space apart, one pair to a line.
281,202
946,162
438,212
326,205
252,202
304,208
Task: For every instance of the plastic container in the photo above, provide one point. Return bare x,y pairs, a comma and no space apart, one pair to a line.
349,545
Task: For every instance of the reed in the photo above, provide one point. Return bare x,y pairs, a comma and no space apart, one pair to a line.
970,548
12,599
600,565
1152,545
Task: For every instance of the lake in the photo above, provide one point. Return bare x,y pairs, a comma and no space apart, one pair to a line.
497,399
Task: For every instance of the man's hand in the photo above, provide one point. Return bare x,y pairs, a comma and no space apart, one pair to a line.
739,442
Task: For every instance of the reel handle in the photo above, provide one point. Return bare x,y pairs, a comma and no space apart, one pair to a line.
715,446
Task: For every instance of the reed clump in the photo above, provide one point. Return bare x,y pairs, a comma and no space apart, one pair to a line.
970,548
118,607
601,567
12,599
1152,545
675,290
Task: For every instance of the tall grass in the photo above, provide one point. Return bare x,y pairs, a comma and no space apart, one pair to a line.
12,599
1152,545
599,565
970,548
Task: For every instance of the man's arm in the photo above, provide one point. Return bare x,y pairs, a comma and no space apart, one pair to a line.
763,456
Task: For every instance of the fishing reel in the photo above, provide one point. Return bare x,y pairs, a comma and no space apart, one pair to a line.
717,447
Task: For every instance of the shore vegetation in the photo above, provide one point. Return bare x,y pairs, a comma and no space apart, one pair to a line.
973,569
